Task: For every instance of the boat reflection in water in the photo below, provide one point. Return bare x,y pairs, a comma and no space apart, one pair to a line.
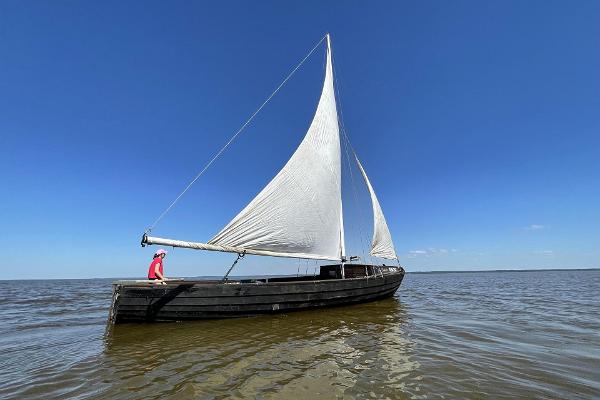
339,351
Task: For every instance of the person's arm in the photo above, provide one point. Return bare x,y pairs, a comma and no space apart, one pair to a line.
157,272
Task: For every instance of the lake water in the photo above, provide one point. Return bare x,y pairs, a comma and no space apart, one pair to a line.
501,335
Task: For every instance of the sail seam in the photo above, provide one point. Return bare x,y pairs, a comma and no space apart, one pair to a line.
299,210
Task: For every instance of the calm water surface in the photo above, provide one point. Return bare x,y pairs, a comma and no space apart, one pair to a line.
457,335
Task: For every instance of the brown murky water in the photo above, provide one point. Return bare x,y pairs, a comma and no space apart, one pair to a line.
457,335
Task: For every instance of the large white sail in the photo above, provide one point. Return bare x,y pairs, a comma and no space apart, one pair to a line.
382,245
299,213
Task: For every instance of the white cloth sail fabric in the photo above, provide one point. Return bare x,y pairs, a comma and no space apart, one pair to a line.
299,213
382,245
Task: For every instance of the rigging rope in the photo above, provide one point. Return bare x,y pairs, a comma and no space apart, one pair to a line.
347,145
212,160
239,257
362,242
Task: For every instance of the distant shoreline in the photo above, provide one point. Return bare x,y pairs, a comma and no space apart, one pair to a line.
248,276
502,270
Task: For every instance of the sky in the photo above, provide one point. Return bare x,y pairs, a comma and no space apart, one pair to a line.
477,122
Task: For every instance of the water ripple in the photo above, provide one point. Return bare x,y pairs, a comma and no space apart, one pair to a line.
470,335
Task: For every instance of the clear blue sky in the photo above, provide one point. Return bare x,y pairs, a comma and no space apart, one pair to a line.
478,123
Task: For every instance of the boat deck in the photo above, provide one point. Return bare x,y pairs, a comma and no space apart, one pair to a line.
327,272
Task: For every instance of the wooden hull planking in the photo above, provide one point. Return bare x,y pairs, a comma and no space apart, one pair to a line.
140,301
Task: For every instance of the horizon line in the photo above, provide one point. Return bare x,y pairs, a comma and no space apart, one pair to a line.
268,275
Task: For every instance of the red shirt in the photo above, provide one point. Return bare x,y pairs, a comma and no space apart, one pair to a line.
151,274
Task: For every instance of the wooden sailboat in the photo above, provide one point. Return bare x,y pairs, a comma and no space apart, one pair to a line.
298,215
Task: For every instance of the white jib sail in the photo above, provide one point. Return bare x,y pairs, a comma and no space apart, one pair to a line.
299,211
382,245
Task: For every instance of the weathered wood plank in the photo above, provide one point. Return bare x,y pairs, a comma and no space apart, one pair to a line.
201,299
229,312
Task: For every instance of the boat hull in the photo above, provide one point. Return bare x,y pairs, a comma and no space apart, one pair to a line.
189,300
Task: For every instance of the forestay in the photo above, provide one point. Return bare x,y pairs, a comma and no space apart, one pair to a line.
382,245
299,213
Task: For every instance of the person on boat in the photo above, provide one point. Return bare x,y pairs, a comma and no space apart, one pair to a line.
156,271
